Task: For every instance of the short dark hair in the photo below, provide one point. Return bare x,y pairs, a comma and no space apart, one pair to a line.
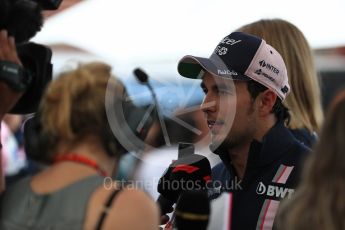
281,112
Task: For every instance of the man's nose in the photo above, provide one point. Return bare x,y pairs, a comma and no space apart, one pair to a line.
209,104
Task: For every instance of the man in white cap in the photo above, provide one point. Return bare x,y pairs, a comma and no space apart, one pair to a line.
245,81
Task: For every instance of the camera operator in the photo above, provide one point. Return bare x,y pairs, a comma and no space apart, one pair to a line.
8,95
25,67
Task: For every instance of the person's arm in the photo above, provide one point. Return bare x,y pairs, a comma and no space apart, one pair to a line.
8,97
8,52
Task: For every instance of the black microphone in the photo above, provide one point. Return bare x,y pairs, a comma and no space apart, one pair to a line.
192,211
144,79
141,75
191,172
184,150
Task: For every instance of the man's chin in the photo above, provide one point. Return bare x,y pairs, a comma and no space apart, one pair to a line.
216,143
217,138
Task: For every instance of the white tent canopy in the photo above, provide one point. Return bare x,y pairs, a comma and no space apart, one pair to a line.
156,32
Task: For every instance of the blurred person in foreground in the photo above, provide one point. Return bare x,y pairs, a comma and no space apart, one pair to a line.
319,201
76,191
304,101
13,156
16,164
245,81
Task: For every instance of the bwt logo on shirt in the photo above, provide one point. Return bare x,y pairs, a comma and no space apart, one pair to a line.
274,191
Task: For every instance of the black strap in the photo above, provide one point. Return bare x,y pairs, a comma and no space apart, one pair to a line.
106,209
14,75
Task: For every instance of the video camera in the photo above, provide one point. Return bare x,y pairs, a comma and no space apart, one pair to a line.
23,19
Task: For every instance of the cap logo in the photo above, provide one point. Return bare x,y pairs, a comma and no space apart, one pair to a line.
230,41
269,67
285,89
221,50
259,72
227,72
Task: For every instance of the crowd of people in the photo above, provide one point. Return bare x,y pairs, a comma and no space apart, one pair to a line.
262,108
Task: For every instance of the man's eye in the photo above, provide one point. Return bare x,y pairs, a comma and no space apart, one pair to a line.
224,91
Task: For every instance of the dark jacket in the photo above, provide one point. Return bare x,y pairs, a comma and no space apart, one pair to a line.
272,172
305,136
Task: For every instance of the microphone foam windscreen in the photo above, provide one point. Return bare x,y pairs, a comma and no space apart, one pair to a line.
187,173
141,75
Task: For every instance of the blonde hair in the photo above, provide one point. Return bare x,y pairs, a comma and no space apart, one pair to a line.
74,104
304,100
319,202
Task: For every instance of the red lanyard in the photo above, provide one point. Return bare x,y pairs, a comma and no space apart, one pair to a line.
82,160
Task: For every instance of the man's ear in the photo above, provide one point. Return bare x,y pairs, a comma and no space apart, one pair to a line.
267,99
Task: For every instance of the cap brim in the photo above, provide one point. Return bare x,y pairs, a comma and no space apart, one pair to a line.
193,67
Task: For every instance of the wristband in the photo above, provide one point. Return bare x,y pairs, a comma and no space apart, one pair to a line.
15,76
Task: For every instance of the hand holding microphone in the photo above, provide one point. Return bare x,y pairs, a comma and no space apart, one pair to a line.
192,211
189,173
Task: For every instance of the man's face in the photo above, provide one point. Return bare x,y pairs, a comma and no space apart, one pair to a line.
229,110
